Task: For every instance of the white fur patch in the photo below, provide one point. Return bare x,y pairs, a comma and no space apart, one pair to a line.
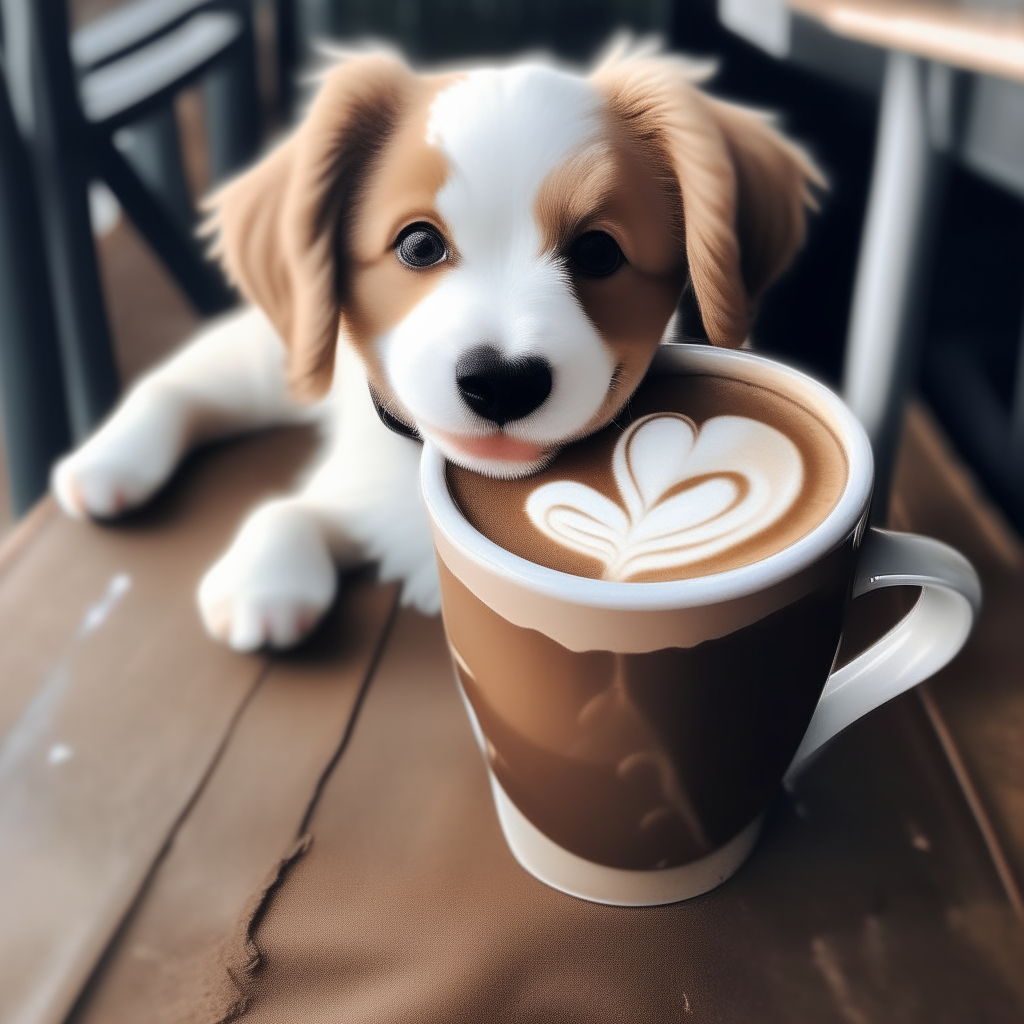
502,132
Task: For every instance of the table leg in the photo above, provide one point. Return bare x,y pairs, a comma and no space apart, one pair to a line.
886,318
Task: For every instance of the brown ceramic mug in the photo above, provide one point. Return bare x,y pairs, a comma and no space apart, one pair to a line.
634,733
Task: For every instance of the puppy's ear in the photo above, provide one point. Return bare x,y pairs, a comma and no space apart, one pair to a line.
773,179
281,230
743,188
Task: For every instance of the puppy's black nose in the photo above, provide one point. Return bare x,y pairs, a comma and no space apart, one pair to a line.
501,389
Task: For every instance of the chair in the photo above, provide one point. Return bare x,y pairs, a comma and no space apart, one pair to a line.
127,69
231,100
287,37
35,426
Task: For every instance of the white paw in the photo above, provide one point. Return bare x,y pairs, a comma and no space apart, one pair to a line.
100,484
124,463
273,584
422,589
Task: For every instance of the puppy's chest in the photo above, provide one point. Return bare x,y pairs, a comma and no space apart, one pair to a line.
360,455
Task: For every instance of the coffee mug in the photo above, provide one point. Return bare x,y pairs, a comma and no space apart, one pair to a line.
634,733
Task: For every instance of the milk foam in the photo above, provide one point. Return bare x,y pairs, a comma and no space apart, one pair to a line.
688,494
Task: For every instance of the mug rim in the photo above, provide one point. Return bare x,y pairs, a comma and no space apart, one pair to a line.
833,530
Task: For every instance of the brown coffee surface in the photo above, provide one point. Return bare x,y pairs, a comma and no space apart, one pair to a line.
497,508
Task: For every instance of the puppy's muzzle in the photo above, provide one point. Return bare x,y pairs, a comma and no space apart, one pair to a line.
502,389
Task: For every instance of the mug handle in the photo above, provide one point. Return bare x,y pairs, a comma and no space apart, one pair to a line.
921,643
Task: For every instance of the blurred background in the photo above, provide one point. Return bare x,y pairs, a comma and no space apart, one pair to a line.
141,106
893,886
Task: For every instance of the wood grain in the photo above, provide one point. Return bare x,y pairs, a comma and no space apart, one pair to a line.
114,704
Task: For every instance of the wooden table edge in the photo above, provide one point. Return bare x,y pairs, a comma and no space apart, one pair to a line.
988,42
24,531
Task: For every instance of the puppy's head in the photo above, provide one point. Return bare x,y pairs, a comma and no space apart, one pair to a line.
505,249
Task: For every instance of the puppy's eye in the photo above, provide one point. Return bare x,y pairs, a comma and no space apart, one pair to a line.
595,254
421,245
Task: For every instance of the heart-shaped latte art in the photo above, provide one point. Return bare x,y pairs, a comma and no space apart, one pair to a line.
687,494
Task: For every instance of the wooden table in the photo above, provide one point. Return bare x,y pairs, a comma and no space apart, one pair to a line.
188,834
929,44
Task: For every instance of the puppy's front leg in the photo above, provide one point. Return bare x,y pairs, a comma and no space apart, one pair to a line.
273,584
230,378
361,503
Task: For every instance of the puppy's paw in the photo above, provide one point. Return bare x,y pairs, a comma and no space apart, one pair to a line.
422,590
272,585
123,464
100,483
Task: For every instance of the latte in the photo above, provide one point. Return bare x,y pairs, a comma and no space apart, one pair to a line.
700,475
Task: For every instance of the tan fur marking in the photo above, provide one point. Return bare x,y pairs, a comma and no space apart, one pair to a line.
573,195
620,186
403,190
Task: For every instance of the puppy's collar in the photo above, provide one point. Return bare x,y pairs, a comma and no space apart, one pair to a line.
393,423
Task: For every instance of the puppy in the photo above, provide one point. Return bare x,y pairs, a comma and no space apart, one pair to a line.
487,259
